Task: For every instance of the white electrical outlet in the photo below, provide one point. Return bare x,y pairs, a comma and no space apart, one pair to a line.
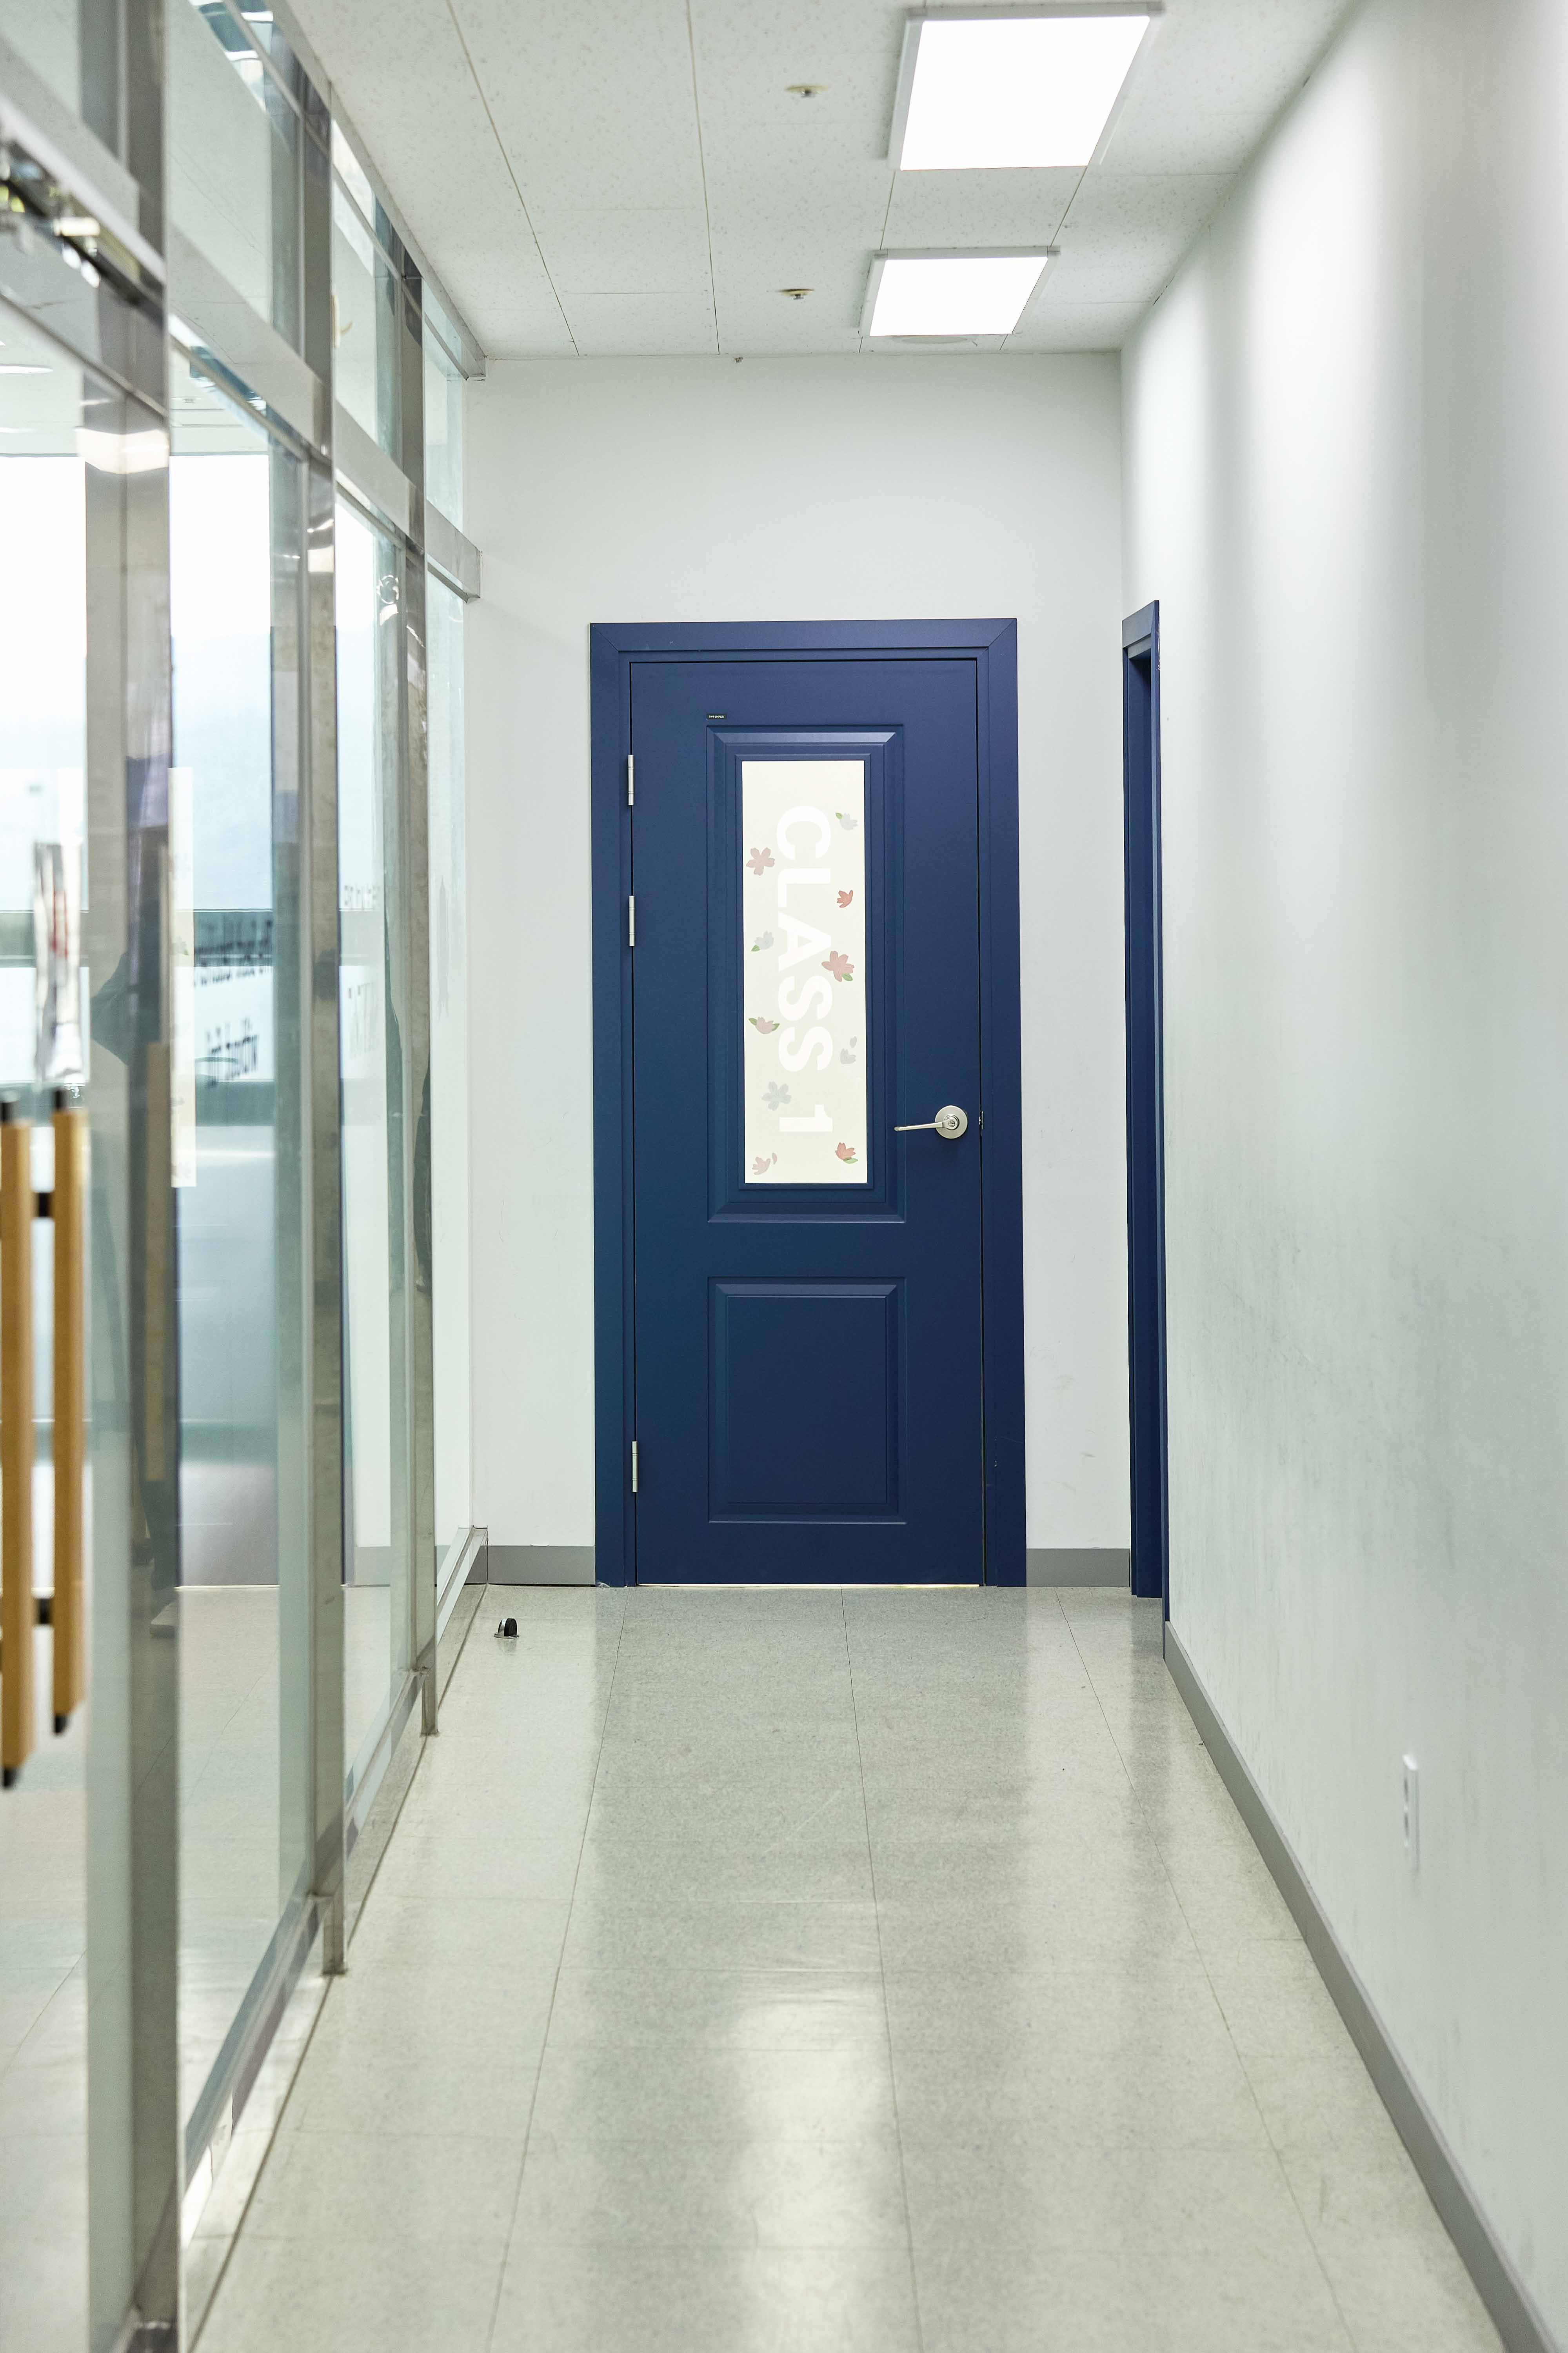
1410,1809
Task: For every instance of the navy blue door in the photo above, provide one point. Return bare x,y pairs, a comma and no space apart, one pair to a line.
806,979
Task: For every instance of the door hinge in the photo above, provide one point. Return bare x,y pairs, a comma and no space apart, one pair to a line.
631,923
634,1466
628,780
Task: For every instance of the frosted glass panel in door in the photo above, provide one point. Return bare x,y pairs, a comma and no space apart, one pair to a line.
802,914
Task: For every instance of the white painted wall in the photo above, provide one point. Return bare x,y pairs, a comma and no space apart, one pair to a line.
775,490
1348,487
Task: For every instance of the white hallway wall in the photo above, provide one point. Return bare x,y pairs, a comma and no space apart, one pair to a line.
1348,486
832,488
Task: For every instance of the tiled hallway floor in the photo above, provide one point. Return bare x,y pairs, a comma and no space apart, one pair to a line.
796,1972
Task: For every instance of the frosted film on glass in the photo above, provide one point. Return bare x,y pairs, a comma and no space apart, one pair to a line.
802,912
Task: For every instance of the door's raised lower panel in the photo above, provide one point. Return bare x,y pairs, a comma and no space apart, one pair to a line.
806,1400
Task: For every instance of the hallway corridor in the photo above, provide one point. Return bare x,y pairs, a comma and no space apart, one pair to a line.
793,1972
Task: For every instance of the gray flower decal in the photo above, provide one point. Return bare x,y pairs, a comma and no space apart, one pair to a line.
849,1054
762,1162
848,823
764,940
775,1095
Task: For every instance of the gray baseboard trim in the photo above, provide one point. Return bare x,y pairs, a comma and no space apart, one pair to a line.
1078,1564
1517,2319
542,1565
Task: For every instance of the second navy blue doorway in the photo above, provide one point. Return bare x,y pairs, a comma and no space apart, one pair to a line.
807,1109
1149,1475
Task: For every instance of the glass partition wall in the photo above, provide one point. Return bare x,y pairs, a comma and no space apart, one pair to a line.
232,999
237,555
377,1622
43,1817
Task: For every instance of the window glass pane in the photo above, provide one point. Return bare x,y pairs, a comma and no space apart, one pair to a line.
369,915
449,1061
803,900
443,429
235,533
365,328
353,173
233,143
43,1826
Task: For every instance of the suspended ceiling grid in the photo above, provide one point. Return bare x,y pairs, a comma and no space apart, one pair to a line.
633,176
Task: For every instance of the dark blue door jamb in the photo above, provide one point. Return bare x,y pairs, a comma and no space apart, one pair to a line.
991,646
1145,1105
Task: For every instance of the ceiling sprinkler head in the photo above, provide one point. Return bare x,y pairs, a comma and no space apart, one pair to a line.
797,293
805,89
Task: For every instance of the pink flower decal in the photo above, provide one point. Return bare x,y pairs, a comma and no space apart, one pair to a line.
839,965
759,861
766,1028
845,897
844,1151
763,1163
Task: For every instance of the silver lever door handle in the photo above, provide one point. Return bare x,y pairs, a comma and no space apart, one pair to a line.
950,1122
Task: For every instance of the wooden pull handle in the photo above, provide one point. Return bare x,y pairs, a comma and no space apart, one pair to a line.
17,1613
70,1412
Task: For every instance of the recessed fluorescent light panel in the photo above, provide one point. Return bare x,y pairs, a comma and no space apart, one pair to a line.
1009,91
951,293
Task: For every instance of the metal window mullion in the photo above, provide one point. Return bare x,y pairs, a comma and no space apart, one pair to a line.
390,737
415,800
325,1401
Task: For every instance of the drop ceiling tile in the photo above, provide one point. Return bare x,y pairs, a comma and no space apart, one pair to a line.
1112,205
759,266
649,325
520,321
832,310
751,324
1076,326
1124,234
625,250
823,236
593,104
1216,143
749,52
973,208
1209,67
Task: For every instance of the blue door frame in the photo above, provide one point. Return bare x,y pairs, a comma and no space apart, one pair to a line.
992,646
1146,1107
